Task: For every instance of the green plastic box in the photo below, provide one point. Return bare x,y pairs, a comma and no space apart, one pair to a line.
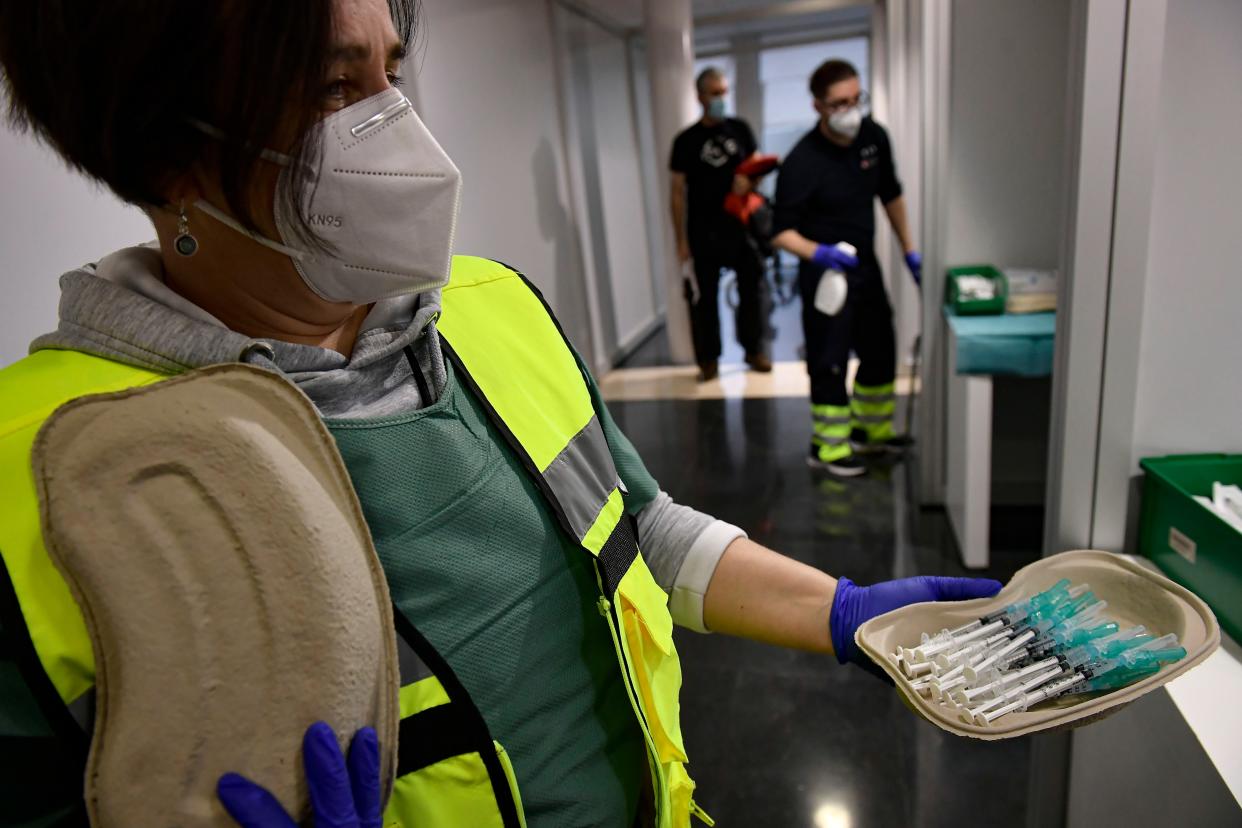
1192,544
962,304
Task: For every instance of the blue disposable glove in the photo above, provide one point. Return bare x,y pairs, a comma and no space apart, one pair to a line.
914,261
343,795
855,604
830,258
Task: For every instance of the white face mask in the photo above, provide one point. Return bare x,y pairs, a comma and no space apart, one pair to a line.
385,197
846,123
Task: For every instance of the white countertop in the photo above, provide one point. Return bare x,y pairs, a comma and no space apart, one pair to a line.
1208,698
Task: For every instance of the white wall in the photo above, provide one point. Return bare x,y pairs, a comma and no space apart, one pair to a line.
484,76
993,171
1168,377
603,141
1189,394
1005,194
894,57
485,82
51,220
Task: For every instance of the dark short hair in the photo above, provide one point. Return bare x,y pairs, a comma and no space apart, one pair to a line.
113,88
707,74
830,72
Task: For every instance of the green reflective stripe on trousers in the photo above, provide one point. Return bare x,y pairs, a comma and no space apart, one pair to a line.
869,408
877,431
830,420
582,477
829,453
872,409
833,434
874,393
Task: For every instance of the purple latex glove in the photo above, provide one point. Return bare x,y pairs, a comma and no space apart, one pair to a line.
343,794
914,261
855,604
830,258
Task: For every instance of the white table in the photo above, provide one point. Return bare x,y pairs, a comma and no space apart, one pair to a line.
1017,345
968,487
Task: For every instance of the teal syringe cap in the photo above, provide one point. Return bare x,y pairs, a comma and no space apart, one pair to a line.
1055,594
1122,676
1078,637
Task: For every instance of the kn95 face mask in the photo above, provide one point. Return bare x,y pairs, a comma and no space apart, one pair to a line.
385,199
846,123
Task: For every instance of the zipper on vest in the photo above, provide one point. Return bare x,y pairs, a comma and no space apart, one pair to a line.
701,814
609,611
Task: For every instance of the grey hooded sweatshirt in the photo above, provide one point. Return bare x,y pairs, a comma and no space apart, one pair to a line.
122,310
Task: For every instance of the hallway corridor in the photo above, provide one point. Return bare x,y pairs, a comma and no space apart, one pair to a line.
778,738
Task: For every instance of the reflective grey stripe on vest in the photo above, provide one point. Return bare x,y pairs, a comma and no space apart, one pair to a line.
412,667
825,440
874,398
873,418
83,711
826,420
582,477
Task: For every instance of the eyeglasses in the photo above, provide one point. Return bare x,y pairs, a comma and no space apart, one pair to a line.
842,104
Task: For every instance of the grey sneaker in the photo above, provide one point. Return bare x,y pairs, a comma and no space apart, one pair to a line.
851,465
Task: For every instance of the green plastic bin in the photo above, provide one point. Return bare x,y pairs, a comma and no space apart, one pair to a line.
1192,544
962,304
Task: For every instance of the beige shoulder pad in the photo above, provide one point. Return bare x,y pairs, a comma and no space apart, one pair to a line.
207,527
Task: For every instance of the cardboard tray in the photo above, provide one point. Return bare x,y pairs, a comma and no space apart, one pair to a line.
1135,595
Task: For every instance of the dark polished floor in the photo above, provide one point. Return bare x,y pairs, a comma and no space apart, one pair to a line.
785,322
781,738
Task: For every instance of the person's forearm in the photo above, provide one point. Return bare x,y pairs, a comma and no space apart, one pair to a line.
896,210
762,595
678,210
795,243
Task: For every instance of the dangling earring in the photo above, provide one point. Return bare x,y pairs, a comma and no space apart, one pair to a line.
185,243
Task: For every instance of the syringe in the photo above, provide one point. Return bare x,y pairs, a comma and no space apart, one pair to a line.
1030,684
946,641
1009,617
1080,682
1018,611
997,682
1106,648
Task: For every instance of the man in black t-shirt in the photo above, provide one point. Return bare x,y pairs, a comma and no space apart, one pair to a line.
825,195
703,161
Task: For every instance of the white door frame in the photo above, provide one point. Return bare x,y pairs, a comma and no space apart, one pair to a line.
1100,303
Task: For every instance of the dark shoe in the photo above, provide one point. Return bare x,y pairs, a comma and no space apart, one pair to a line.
897,444
759,362
708,371
851,465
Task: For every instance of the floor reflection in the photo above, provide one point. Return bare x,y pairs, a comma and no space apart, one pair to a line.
778,738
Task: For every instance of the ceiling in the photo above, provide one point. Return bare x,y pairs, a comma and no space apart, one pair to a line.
716,14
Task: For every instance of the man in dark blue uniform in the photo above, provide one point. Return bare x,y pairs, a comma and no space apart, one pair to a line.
825,195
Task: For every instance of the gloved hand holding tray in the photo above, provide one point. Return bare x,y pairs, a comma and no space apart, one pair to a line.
1135,596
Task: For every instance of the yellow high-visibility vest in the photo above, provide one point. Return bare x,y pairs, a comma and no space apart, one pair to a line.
506,345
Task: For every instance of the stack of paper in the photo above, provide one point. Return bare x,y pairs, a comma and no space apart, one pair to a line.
1031,291
1226,501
